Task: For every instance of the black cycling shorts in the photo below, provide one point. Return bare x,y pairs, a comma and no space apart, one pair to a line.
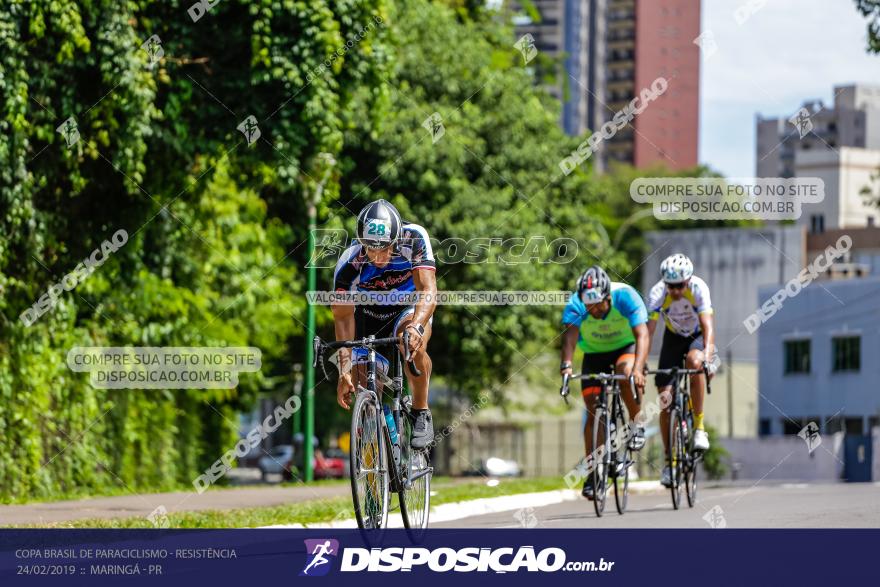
675,348
602,363
380,321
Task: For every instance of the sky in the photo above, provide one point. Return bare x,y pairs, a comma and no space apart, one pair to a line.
785,53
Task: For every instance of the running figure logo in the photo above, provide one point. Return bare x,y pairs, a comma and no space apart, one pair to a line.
318,551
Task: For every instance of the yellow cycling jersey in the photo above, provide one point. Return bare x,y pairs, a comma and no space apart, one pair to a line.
681,316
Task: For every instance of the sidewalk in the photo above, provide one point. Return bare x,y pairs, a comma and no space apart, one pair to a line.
142,505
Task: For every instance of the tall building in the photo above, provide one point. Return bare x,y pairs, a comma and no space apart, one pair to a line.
611,50
854,121
840,145
571,31
666,132
845,171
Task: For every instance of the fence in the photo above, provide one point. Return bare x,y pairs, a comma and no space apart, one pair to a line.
545,447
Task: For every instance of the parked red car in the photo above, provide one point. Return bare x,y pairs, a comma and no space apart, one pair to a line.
333,465
330,465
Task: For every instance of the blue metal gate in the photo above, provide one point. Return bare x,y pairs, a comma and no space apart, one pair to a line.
857,458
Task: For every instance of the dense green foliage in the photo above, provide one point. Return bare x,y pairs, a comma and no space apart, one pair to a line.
160,157
217,226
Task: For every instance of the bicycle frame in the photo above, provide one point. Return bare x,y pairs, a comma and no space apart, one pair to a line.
608,455
370,343
679,374
683,464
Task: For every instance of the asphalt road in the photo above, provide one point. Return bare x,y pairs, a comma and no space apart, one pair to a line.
796,505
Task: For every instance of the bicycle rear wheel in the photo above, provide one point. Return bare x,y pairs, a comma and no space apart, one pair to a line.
368,464
415,495
676,455
623,460
601,459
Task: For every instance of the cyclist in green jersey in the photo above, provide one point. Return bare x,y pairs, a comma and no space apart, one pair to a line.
607,321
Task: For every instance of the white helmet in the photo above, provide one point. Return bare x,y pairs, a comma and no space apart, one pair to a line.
676,268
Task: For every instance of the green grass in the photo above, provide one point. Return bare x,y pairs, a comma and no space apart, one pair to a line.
81,494
319,510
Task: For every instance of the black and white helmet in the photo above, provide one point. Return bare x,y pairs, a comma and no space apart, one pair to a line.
593,286
378,225
676,268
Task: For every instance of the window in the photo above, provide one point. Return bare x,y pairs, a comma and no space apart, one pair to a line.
797,356
846,351
870,221
817,223
854,426
791,427
834,425
764,427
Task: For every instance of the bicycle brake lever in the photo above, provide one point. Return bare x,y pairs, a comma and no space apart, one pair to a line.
632,386
316,349
706,375
563,391
408,357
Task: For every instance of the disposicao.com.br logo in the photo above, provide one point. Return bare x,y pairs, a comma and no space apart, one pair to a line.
465,560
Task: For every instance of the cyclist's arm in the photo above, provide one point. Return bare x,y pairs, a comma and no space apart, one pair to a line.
569,341
425,281
343,322
707,325
643,346
652,328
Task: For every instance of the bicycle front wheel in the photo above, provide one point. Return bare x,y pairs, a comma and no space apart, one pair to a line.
415,494
692,465
623,459
601,459
368,464
675,460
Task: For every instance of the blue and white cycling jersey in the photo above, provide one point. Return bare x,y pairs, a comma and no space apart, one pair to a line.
355,272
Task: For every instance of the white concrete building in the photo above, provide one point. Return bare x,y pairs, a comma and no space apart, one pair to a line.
846,172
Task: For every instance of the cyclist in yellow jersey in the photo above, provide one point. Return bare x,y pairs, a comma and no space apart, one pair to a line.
684,302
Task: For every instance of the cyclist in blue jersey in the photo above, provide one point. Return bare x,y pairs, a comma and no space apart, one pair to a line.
389,256
607,321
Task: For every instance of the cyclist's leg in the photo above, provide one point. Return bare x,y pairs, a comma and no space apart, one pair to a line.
590,388
694,360
418,385
375,321
359,361
590,394
671,355
623,365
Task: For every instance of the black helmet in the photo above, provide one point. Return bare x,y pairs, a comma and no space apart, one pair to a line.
378,225
593,286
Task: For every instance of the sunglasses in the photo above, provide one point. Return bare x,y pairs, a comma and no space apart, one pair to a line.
376,249
675,285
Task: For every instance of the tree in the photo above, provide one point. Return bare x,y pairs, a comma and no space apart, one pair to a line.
149,98
494,173
870,9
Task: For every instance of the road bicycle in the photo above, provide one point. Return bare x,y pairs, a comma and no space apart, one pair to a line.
682,459
381,459
612,456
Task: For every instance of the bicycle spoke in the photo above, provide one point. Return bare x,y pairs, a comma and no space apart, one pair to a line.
369,476
415,495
